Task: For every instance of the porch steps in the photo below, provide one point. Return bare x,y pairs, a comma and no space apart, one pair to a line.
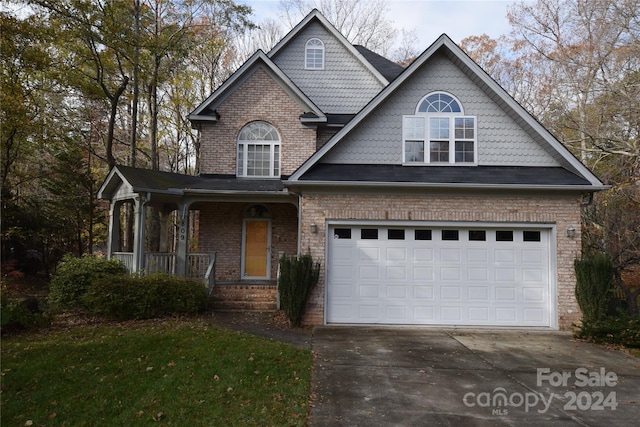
243,297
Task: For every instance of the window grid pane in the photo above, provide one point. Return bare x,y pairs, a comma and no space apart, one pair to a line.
414,151
464,152
439,151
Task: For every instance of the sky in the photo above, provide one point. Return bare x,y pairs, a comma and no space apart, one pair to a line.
429,18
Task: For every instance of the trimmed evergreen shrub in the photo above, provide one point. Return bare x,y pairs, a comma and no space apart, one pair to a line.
143,297
594,278
298,276
75,276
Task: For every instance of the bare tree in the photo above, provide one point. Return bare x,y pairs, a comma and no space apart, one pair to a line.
585,42
362,22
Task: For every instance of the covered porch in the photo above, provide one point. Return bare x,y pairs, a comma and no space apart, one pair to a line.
204,226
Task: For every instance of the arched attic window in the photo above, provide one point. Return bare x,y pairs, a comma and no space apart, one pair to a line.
258,151
314,54
440,127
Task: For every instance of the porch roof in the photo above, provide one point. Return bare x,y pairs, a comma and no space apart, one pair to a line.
148,181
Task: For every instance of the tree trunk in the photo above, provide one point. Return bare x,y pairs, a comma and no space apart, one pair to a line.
112,120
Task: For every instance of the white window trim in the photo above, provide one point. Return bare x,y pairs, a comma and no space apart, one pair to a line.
307,47
243,145
426,131
426,140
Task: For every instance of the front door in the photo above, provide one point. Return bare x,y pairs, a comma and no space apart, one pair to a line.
256,249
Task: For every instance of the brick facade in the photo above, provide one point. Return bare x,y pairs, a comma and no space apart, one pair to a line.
221,232
562,211
260,97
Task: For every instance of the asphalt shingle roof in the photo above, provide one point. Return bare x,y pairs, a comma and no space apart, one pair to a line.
491,175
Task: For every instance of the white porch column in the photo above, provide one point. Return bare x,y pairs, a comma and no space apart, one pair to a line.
139,227
113,239
183,234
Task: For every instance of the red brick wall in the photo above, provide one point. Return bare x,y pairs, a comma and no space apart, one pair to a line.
221,232
259,98
563,211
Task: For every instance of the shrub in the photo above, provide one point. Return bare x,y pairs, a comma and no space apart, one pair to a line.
143,297
298,276
17,313
594,277
75,276
623,330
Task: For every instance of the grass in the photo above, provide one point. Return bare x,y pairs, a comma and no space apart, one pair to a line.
170,372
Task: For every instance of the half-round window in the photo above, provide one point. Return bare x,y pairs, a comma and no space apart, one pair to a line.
439,102
314,54
258,151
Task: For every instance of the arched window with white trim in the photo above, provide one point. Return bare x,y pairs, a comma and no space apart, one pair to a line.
314,54
439,127
258,151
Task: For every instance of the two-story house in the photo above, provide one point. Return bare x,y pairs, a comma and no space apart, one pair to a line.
428,195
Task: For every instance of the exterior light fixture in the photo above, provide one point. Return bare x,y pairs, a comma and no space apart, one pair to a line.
314,228
571,232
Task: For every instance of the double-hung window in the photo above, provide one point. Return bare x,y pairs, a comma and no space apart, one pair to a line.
439,132
258,151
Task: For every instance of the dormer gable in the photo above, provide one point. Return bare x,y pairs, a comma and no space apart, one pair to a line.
326,67
207,113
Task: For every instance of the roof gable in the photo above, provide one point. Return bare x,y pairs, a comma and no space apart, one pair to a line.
548,150
348,80
205,112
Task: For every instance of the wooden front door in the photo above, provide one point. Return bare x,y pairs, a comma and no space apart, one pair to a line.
256,248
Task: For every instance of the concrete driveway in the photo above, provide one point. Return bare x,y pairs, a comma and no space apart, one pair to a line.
379,376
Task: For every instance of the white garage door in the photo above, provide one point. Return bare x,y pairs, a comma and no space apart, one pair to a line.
439,276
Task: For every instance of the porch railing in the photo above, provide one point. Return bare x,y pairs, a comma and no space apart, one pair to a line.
125,258
199,265
160,262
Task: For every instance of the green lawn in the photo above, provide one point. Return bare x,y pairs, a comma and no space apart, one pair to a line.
171,372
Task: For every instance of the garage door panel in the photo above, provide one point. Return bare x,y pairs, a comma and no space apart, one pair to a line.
505,275
396,273
533,315
506,314
411,277
423,254
451,314
478,256
368,291
450,274
396,291
368,272
369,254
422,292
505,293
396,313
423,273
396,254
424,314
450,293
505,256
533,294
450,255
478,274
533,275
479,314
478,293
